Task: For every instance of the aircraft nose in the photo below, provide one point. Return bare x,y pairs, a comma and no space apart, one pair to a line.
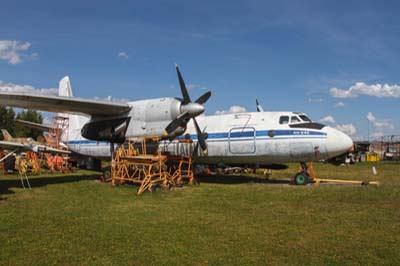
337,142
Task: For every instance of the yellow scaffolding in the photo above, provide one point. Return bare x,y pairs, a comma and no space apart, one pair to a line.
28,163
133,164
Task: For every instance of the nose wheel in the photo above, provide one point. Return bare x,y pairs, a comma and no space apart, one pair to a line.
301,179
305,175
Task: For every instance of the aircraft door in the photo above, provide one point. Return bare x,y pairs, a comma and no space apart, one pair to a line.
242,140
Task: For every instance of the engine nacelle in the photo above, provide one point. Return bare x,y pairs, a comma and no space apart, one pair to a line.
162,109
151,117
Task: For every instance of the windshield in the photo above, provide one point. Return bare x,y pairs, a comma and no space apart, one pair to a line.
305,118
295,119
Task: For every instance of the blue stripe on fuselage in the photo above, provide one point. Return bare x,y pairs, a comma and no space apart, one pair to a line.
260,134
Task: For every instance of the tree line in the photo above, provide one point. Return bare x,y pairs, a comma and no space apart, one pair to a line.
7,121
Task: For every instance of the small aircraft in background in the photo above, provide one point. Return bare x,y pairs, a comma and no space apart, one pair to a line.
250,138
27,144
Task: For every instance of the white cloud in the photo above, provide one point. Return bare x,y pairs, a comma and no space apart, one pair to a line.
195,86
232,110
377,135
46,119
379,124
12,51
10,87
315,100
123,55
339,104
360,88
349,129
328,119
34,56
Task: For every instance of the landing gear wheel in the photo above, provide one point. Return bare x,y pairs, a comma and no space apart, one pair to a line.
301,179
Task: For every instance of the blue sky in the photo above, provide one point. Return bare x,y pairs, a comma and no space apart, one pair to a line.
288,54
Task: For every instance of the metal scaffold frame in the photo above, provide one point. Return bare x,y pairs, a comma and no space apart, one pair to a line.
132,163
58,130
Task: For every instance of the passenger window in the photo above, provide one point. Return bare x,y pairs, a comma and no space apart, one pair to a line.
283,120
294,119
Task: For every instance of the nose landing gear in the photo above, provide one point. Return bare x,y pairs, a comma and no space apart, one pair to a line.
305,175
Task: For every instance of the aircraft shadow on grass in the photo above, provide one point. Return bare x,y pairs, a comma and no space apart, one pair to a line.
7,185
238,179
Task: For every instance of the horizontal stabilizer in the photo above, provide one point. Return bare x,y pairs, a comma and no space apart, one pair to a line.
41,127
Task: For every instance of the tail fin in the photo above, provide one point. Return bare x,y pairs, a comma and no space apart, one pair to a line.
7,136
76,122
64,88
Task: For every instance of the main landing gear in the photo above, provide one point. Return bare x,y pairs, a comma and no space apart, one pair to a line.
305,175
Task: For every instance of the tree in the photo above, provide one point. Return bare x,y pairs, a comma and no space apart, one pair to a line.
32,116
7,119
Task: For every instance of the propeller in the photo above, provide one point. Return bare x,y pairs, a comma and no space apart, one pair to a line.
203,135
189,110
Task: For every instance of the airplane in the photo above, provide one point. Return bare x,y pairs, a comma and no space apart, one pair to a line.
249,138
27,144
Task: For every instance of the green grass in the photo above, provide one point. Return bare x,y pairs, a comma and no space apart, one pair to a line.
74,220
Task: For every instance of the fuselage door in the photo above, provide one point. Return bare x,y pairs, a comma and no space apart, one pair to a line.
242,140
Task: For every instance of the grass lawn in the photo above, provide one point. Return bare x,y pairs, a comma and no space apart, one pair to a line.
74,220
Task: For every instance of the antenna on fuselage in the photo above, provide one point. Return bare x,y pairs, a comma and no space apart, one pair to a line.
259,107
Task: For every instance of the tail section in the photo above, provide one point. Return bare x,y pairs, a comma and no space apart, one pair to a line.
76,122
7,136
64,88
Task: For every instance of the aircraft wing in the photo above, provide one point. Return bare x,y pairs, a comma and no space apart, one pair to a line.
8,145
64,104
47,149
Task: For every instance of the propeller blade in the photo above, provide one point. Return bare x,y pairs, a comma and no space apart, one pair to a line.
176,123
200,137
196,149
204,98
185,94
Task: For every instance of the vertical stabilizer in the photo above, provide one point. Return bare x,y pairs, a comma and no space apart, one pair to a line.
76,122
7,136
64,88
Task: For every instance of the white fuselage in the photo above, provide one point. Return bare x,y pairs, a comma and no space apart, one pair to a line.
245,138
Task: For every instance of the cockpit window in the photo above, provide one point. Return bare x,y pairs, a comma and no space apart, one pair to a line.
294,119
305,118
284,120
